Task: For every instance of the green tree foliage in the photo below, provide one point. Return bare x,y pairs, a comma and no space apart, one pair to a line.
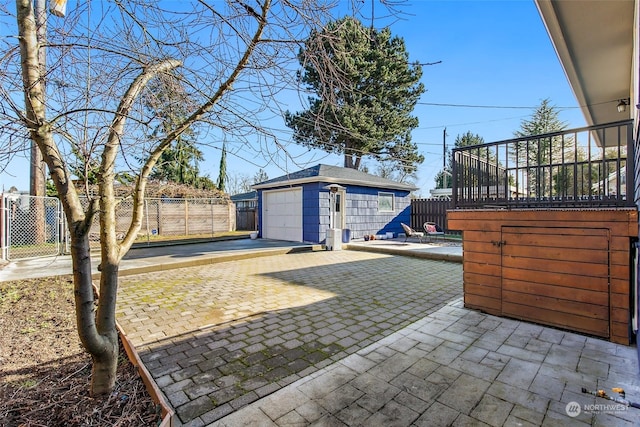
222,176
179,163
444,178
364,92
543,120
538,154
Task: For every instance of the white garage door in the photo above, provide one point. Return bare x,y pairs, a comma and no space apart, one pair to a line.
282,215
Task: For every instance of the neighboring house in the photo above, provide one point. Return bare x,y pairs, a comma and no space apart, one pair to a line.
245,200
441,193
611,185
446,193
297,206
565,253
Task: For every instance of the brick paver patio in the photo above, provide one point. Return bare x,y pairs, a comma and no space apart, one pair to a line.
218,337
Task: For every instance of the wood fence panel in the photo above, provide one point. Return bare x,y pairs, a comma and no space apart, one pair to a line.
175,217
246,219
430,210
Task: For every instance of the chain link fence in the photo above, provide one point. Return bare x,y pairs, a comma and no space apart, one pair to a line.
30,227
34,226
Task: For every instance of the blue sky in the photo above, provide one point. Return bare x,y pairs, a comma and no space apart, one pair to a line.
492,53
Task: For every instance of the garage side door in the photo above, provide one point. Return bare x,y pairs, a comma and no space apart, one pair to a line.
282,215
557,276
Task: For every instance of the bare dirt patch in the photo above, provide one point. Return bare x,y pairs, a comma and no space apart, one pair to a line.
44,371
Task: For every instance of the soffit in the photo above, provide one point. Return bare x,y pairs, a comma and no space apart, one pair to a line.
594,42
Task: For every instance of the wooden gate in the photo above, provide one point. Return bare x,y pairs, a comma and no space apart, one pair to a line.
557,276
246,218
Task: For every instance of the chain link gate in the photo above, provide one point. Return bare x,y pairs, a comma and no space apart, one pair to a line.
30,226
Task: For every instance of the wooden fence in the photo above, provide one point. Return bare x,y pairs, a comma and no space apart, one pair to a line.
430,210
246,218
175,217
188,216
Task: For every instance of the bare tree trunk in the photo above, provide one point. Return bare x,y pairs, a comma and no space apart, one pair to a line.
101,339
352,161
105,362
348,161
99,345
97,326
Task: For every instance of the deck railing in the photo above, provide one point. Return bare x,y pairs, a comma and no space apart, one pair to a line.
580,168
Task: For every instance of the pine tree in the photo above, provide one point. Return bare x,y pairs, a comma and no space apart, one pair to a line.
179,162
365,90
222,176
539,153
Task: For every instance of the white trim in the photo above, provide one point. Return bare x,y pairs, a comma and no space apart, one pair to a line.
393,201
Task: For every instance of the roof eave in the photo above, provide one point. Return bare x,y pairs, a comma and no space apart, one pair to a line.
332,180
594,42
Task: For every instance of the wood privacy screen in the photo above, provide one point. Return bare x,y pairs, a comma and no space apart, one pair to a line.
565,268
175,217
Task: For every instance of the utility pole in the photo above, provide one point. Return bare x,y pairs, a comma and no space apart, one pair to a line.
444,148
37,167
37,182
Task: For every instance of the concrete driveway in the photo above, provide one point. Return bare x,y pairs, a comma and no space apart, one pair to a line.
219,337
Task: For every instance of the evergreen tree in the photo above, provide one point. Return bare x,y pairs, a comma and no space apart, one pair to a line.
171,105
538,154
365,90
179,163
222,176
544,120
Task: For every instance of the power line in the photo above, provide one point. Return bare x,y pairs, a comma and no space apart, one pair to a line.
507,107
504,107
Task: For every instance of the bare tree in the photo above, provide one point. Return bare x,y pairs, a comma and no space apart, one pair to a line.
89,103
238,183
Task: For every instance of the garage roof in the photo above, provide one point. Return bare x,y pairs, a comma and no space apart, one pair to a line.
334,175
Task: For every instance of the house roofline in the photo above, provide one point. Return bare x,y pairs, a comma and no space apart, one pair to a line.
331,180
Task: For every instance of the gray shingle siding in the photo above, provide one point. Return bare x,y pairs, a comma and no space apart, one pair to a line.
363,217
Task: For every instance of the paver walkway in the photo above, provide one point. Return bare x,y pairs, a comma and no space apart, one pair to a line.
459,367
218,337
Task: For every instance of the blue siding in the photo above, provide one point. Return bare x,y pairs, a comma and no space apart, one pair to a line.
361,211
363,217
259,207
310,213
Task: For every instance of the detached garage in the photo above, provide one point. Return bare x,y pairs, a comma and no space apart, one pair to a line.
296,207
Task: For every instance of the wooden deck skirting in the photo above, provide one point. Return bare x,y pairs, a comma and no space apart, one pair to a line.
566,268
